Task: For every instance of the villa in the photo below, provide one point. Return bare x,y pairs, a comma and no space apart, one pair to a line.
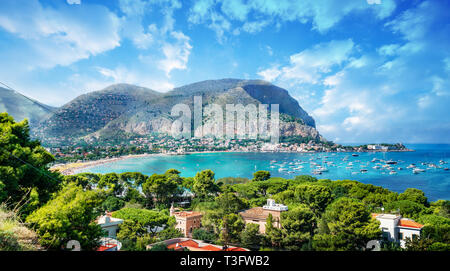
259,215
398,229
187,221
110,225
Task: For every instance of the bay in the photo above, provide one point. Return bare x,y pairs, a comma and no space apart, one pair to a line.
434,181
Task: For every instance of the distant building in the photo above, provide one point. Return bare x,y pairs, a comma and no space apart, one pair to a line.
398,229
187,221
179,244
109,224
374,147
259,215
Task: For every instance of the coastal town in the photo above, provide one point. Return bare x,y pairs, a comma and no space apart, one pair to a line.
169,145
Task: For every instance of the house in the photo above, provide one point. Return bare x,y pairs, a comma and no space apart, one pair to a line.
109,224
259,215
374,147
179,244
398,229
187,221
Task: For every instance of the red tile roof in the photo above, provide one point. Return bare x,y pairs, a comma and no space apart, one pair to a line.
188,243
409,224
192,244
211,248
106,247
187,214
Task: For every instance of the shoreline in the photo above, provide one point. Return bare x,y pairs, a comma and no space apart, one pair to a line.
73,168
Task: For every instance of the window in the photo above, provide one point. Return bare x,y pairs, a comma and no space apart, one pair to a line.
400,236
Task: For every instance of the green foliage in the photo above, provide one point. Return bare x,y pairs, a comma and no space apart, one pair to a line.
261,175
415,195
204,185
145,218
407,208
23,164
232,225
317,197
297,227
348,226
112,204
68,216
230,203
304,179
441,207
112,183
159,247
188,183
204,235
250,236
273,235
232,180
133,179
160,187
286,197
133,196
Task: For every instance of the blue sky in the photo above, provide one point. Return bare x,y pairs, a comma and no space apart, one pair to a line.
366,70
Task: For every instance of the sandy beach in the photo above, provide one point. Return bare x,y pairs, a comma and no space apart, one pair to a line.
74,168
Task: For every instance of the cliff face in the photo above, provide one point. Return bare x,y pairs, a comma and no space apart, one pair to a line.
131,110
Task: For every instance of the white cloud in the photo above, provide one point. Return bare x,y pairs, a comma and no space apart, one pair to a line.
388,50
124,75
157,40
74,2
60,35
254,27
323,15
176,54
397,92
309,65
270,74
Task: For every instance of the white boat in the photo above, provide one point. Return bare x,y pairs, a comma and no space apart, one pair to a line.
418,170
322,169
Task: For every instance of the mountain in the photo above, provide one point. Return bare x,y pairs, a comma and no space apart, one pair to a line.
121,110
92,111
22,107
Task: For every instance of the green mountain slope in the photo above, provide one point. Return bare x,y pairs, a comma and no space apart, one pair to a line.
22,107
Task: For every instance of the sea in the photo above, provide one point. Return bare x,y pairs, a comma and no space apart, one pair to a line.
391,170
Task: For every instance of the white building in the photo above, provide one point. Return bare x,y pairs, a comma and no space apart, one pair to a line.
109,224
271,205
398,229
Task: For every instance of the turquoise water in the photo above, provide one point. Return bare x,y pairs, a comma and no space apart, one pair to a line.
434,181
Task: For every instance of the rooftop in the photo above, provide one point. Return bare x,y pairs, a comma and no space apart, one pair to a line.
187,214
408,223
403,222
385,216
197,245
257,213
